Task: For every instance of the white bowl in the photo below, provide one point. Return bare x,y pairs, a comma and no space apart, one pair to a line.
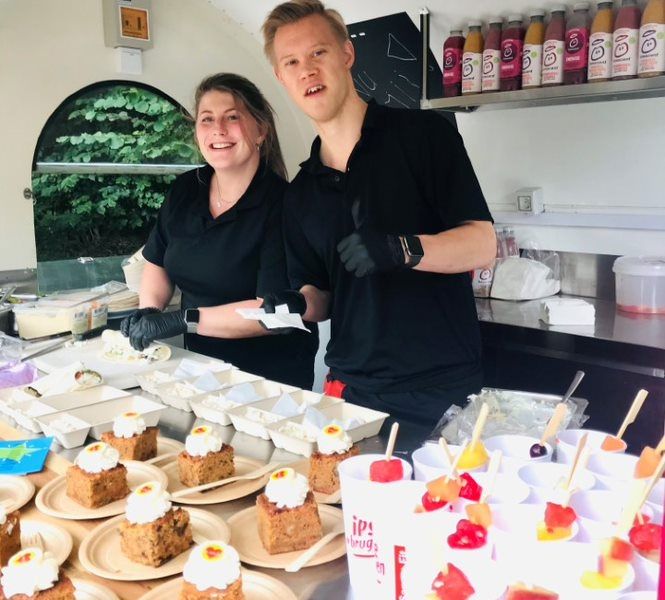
567,443
646,573
543,478
604,506
637,595
612,471
515,449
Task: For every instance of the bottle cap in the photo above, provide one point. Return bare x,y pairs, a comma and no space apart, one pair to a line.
493,20
514,17
455,32
475,23
558,8
537,12
581,6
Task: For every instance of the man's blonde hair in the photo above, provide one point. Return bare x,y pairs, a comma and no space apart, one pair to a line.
292,12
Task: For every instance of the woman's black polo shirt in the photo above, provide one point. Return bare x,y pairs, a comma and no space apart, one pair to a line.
403,330
237,256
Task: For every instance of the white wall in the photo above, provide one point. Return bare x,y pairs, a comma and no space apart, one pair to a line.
49,50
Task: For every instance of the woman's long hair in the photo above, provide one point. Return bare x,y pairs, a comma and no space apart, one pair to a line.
245,92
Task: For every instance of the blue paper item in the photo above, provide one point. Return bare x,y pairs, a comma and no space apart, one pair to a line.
20,457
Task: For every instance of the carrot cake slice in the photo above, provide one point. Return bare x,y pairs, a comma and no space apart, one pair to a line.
288,516
33,574
334,446
205,458
131,438
212,572
10,534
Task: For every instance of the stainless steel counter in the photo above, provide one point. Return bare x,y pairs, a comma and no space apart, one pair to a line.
324,582
611,325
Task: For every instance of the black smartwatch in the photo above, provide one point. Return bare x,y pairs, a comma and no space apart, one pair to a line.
192,316
413,249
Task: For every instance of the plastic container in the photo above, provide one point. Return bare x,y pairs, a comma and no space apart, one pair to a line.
512,43
472,60
532,55
625,51
640,284
453,49
577,45
554,47
600,43
492,56
652,40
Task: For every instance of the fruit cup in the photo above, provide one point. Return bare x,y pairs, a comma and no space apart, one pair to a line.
543,478
429,462
567,443
516,451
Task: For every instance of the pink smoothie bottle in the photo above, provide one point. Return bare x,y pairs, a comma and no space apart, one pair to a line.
453,49
512,43
577,45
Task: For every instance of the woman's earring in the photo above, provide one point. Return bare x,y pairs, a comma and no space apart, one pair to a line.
258,147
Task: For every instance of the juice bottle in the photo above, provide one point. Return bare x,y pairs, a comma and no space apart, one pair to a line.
625,51
492,56
554,46
532,55
452,64
652,40
577,45
600,43
512,42
472,60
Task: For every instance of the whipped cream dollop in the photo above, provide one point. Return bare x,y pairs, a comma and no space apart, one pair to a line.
29,571
97,457
333,440
147,503
212,565
287,489
202,440
128,424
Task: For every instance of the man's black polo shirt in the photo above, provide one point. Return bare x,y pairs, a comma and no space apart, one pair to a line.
403,330
237,256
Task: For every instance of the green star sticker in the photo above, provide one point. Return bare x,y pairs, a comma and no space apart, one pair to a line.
17,453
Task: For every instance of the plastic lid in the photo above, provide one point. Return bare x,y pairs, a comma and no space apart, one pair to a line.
581,6
646,266
558,8
493,20
475,23
537,12
514,17
454,32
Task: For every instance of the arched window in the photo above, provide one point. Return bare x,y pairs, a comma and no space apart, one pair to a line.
101,170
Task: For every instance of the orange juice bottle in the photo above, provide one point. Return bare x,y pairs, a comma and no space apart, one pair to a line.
532,54
652,40
472,60
600,43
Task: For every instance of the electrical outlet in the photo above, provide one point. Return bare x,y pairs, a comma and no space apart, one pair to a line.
530,200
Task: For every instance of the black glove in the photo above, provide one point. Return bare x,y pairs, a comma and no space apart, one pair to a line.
292,298
157,326
366,251
127,323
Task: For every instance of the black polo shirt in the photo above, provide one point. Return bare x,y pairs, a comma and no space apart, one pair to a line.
237,256
404,330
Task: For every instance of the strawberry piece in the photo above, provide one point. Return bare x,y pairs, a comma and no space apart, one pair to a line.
646,538
445,488
557,516
471,489
385,471
430,504
479,514
468,536
452,585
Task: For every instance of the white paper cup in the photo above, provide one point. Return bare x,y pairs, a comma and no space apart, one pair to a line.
543,479
657,512
646,574
604,506
515,450
566,443
364,501
508,489
638,595
429,462
612,471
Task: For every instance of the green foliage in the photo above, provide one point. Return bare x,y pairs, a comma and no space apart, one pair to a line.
94,215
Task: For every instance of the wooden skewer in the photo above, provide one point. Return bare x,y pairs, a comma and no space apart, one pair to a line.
553,426
391,440
480,424
631,415
653,480
453,467
574,467
446,450
631,508
492,470
661,445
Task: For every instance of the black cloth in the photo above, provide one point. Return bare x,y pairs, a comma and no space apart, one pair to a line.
404,330
237,256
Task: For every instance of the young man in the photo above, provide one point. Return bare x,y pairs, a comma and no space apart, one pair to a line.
383,223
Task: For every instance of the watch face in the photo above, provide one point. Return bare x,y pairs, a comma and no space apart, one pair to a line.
192,315
413,245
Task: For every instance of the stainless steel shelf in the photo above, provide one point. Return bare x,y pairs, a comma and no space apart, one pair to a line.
652,87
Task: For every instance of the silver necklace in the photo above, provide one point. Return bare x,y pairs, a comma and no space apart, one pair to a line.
220,201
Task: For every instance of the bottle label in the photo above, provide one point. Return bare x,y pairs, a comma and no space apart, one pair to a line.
577,47
600,56
471,72
553,52
491,64
511,58
625,52
452,66
652,48
532,64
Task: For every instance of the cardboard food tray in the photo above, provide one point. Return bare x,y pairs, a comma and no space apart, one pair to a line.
342,411
147,384
117,374
240,421
226,379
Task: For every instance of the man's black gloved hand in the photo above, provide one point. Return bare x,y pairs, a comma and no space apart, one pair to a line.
292,298
366,251
127,323
156,326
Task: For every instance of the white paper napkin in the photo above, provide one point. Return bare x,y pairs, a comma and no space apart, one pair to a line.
280,319
208,382
315,421
242,394
286,406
